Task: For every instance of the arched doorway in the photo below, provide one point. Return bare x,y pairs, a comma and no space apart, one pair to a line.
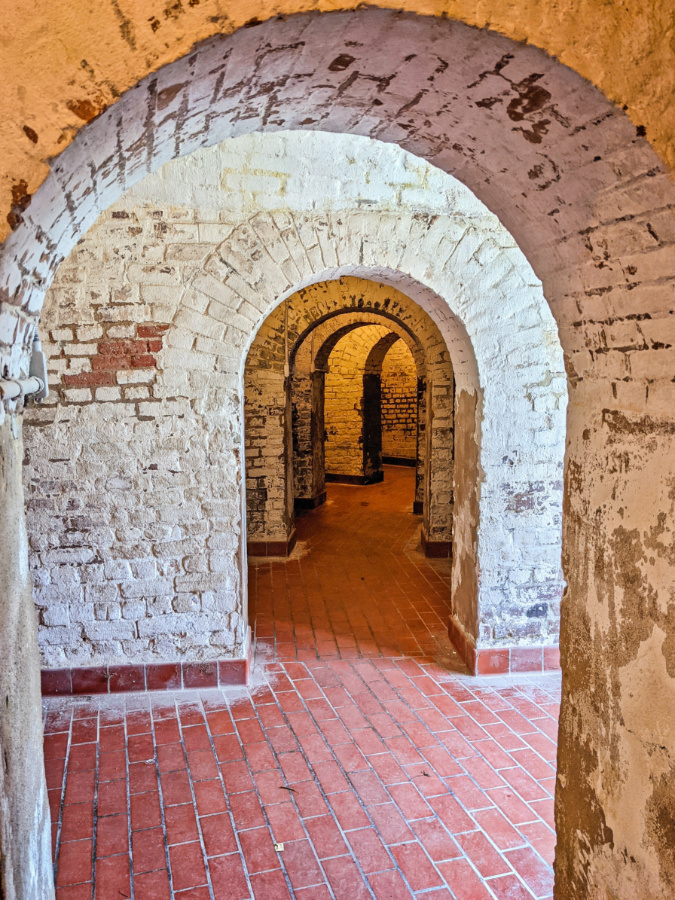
324,423
603,419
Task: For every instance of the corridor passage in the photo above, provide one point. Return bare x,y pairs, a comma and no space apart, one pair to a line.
357,584
360,763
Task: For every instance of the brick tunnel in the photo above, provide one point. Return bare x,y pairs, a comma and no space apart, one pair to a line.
353,477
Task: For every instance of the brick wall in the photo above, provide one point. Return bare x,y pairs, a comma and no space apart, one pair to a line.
106,361
265,410
134,498
399,403
344,400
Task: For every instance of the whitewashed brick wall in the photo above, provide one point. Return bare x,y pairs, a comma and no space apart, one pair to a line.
399,403
143,485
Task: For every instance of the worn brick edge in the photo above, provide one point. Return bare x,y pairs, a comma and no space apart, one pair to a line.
399,461
435,549
504,660
174,676
303,503
272,548
362,480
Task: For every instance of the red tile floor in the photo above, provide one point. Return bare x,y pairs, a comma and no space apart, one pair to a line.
360,763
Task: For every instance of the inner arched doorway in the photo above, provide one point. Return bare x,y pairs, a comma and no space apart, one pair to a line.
314,411
323,481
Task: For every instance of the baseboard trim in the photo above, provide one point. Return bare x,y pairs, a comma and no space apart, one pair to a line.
173,676
435,549
464,647
336,478
272,548
399,461
310,502
504,660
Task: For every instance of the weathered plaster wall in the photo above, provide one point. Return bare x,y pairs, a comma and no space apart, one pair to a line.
25,858
344,401
62,67
399,403
591,206
618,788
464,598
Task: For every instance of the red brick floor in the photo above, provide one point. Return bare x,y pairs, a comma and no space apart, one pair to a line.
360,746
357,584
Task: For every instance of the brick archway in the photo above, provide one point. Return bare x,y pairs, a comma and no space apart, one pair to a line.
316,308
309,362
485,486
565,173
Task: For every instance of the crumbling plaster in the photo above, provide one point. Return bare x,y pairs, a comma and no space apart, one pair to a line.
65,63
591,206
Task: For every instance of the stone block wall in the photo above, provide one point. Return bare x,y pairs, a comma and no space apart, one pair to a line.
305,439
399,403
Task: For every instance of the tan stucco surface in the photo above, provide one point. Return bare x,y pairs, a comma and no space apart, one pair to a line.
63,61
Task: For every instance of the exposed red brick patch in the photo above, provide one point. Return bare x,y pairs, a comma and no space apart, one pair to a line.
151,331
86,109
90,379
117,355
20,200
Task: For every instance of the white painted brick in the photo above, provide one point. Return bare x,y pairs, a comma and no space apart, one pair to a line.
185,513
89,332
107,393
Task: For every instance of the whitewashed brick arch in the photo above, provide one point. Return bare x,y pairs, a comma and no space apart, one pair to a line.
511,390
312,314
591,206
